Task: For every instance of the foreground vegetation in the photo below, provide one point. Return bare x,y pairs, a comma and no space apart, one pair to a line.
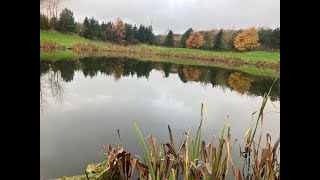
193,158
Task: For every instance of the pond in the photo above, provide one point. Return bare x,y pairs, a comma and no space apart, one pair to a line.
83,102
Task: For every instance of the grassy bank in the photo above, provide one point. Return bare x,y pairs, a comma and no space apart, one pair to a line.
255,56
58,55
249,57
68,40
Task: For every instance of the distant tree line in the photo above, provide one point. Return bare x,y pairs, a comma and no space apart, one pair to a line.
91,28
269,38
124,33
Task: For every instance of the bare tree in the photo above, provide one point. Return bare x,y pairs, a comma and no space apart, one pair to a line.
55,7
50,7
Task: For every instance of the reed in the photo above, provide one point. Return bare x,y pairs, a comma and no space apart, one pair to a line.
254,125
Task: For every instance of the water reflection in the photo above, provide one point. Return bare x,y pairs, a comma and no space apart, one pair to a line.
120,67
239,82
155,94
51,85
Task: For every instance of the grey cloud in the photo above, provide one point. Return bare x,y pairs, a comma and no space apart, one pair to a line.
179,15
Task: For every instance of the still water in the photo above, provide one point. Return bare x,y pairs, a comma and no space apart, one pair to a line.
83,103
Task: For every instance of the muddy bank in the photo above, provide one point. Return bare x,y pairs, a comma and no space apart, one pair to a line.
262,64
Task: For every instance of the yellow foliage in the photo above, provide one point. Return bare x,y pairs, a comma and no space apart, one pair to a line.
119,29
191,73
247,40
118,71
239,82
195,40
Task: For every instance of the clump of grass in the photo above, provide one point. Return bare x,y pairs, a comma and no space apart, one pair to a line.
168,161
267,166
192,159
86,47
50,45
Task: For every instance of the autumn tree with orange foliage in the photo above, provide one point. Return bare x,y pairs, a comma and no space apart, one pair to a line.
195,40
247,40
119,29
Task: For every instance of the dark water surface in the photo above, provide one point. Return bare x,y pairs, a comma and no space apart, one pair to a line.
83,103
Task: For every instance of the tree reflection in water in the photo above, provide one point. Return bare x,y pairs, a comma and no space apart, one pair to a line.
51,88
54,73
239,82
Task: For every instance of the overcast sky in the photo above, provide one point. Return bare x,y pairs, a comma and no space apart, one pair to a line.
179,15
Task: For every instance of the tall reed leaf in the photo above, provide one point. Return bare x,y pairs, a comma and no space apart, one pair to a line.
145,151
197,144
260,116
